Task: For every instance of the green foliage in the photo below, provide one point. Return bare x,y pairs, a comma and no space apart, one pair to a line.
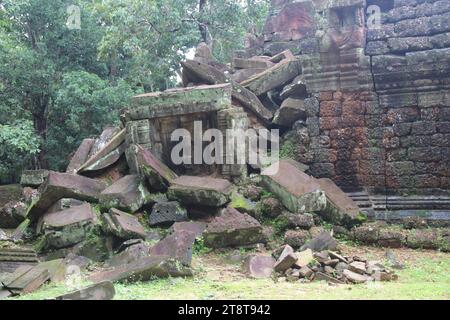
84,105
70,83
200,247
18,147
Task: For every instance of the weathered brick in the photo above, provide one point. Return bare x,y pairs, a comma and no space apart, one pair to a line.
371,167
423,128
329,123
353,107
400,168
443,127
330,109
322,170
326,95
427,181
425,154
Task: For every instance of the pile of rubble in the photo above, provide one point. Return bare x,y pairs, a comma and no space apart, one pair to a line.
124,211
326,265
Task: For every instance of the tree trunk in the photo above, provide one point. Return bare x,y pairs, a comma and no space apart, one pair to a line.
203,27
40,107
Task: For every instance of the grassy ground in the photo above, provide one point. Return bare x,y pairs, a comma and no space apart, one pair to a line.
425,277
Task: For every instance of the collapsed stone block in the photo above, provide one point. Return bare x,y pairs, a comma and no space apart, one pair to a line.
296,238
340,209
297,191
323,241
128,255
80,156
304,258
290,111
143,162
198,70
27,280
253,63
64,185
296,89
274,77
66,228
232,228
204,191
123,225
128,193
164,213
33,178
8,193
106,151
12,214
144,269
180,101
286,260
177,245
195,227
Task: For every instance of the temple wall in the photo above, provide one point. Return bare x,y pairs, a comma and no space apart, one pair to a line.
379,105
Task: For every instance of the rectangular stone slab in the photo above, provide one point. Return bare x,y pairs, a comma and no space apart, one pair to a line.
273,77
64,185
200,191
81,155
143,162
232,228
124,225
211,75
128,193
29,281
180,101
95,161
74,215
296,190
143,269
33,178
340,206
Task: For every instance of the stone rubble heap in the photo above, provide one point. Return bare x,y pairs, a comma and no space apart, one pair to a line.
123,204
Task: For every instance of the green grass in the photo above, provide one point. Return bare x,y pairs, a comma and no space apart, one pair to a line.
427,279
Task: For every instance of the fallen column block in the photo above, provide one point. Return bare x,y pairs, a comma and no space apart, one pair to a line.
68,227
274,77
177,245
231,229
166,213
33,178
340,209
144,269
123,225
290,111
195,69
297,191
80,156
204,191
106,155
143,162
128,194
64,185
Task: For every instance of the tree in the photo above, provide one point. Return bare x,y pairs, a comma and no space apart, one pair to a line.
57,78
84,105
